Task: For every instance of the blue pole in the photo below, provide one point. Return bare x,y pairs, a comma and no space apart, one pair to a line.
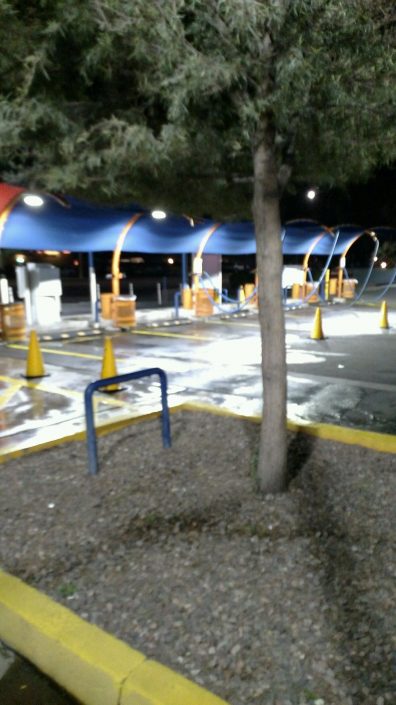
184,269
89,416
176,301
91,435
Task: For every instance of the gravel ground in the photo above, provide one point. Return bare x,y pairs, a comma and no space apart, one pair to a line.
282,600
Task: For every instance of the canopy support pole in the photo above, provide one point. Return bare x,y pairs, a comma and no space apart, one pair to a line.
115,265
197,268
184,269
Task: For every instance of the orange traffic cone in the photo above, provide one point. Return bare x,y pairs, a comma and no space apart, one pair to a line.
317,332
34,363
109,368
384,323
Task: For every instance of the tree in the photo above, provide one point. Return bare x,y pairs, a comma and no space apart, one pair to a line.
209,104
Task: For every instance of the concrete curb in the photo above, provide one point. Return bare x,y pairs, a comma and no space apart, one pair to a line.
383,442
90,664
102,429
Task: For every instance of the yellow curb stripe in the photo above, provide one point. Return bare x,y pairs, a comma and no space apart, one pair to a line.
52,351
243,323
102,429
9,393
170,335
68,393
383,442
95,667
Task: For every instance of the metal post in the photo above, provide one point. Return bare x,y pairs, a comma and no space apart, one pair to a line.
93,288
166,437
177,303
159,294
108,381
91,435
184,269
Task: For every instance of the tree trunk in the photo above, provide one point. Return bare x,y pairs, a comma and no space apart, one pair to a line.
272,460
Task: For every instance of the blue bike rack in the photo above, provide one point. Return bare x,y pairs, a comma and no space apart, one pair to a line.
93,468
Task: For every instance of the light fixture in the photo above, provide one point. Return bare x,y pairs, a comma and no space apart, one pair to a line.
32,200
20,258
311,194
383,265
170,260
158,214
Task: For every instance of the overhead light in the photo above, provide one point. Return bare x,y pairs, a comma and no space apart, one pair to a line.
170,260
32,200
383,265
158,214
20,258
311,194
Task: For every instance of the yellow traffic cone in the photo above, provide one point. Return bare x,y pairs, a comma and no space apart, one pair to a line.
34,363
317,332
109,368
384,315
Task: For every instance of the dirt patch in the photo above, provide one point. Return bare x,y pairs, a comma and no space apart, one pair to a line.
285,599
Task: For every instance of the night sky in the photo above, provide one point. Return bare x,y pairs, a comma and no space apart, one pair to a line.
369,204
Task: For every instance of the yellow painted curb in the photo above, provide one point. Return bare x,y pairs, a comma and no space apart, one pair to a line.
90,664
102,429
154,684
383,442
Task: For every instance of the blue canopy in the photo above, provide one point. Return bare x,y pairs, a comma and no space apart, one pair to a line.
75,225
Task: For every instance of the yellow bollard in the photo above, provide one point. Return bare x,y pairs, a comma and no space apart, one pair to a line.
327,285
187,301
241,295
34,363
109,368
317,332
384,323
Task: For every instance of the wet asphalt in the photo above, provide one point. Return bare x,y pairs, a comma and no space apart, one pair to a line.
348,378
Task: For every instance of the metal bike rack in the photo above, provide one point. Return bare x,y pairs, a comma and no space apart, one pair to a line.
93,467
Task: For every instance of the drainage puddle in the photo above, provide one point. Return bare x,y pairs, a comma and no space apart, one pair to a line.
22,684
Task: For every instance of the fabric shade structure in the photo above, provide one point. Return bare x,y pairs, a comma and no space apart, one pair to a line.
71,224
8,194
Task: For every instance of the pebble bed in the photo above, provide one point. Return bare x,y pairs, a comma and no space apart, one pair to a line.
275,600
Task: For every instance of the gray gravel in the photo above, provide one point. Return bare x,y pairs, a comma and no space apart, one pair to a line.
282,600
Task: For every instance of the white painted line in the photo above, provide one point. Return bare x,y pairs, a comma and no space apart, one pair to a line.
312,377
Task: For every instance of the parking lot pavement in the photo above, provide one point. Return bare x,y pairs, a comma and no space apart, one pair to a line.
348,378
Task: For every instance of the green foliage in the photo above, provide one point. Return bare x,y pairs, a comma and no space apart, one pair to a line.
148,100
67,590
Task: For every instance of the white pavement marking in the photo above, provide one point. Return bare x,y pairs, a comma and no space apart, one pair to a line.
312,377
